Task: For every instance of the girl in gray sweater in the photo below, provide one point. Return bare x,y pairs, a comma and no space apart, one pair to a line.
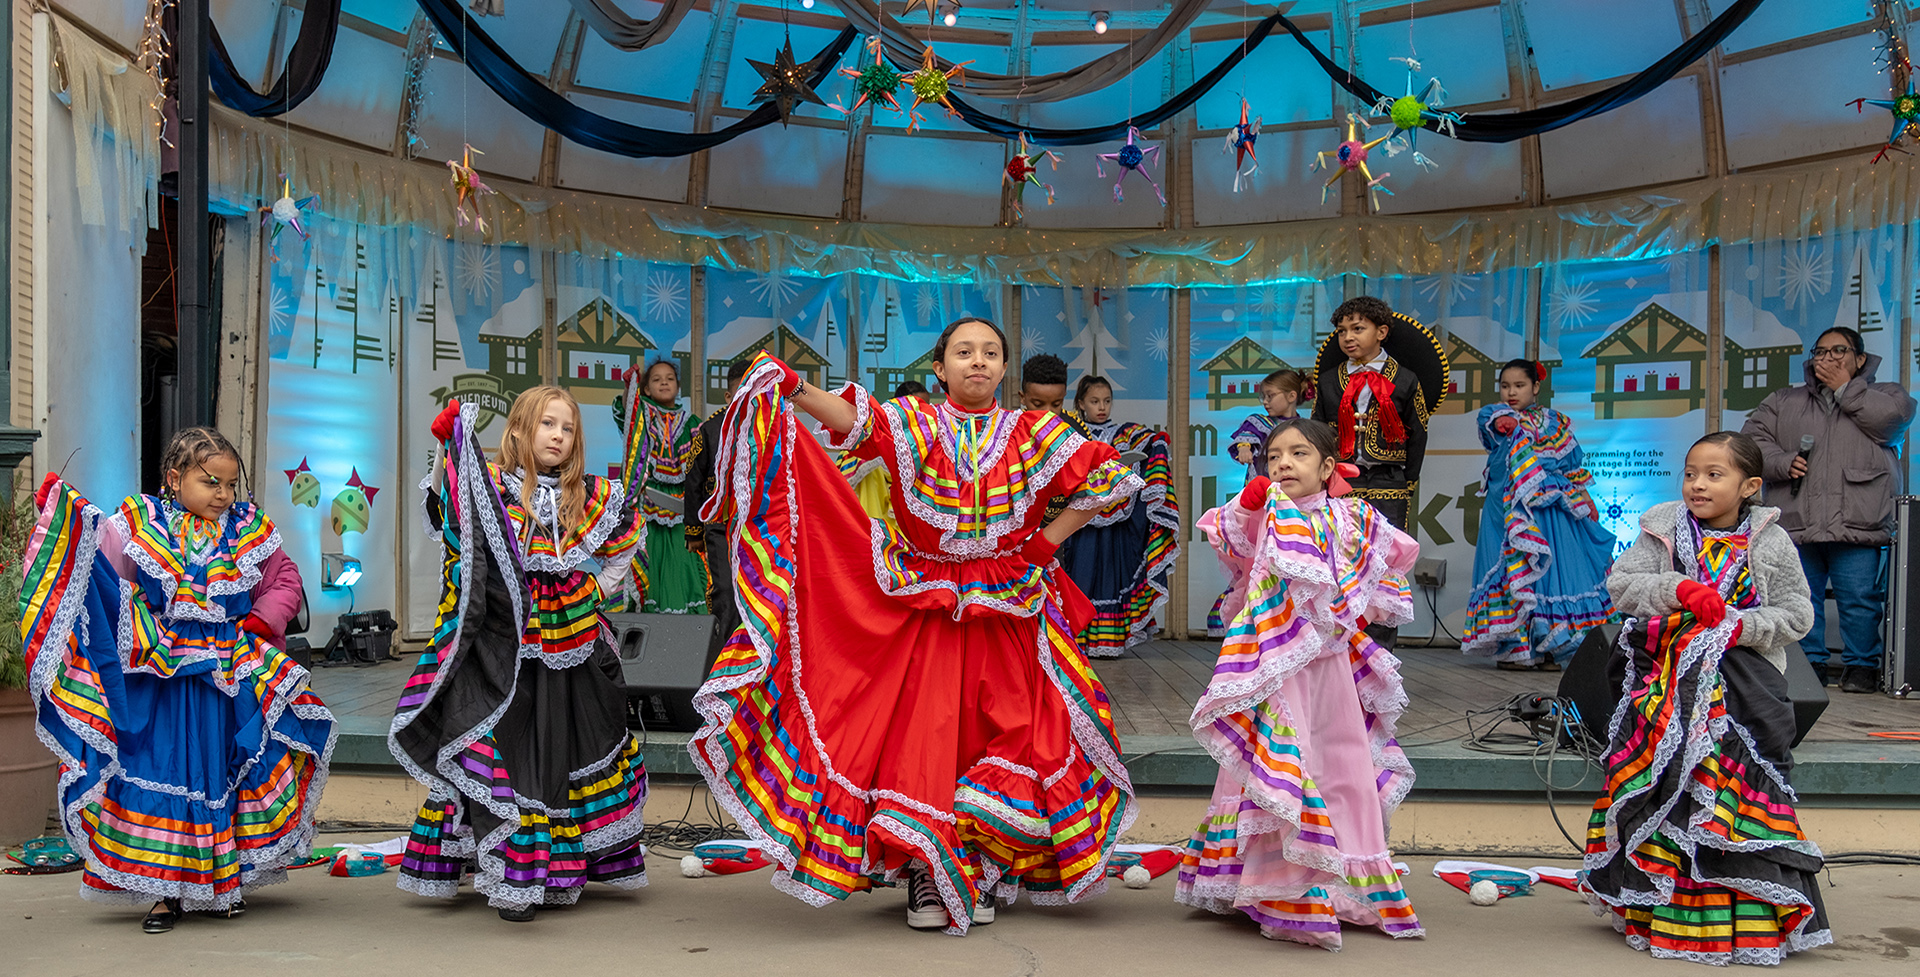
1695,848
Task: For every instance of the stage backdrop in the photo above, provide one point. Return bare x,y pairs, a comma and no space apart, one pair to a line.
1238,336
371,330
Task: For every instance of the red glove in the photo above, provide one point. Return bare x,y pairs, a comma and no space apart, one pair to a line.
253,624
1254,496
789,380
1039,550
443,424
1703,601
46,489
1505,423
1738,626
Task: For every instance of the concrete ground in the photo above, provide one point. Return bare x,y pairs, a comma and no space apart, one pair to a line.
741,925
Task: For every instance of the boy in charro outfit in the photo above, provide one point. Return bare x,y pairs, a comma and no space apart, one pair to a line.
1377,403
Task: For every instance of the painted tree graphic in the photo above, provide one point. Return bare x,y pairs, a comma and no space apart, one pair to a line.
1098,351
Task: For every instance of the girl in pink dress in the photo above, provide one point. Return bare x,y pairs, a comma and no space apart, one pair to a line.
1302,704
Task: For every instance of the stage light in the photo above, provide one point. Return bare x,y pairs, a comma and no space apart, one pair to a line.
338,571
1098,20
807,4
950,10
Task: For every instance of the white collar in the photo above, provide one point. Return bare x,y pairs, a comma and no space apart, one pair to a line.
1378,364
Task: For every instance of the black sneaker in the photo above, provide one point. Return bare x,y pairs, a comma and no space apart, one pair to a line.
925,911
517,914
1859,678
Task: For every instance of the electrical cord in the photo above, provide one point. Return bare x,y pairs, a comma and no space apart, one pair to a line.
1548,721
1433,604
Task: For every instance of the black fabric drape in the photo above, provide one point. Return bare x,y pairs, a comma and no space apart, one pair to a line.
493,66
1118,130
306,65
1515,125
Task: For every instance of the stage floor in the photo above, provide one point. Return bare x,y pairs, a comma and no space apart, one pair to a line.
1154,686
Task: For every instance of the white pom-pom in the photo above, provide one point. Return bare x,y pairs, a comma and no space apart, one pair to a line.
1484,893
1136,877
692,867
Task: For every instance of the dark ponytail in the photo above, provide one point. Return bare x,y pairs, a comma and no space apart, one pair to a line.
1745,452
1529,367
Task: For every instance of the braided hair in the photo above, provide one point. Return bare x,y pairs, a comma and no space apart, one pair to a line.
190,447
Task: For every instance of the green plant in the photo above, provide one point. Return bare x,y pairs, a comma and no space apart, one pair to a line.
16,527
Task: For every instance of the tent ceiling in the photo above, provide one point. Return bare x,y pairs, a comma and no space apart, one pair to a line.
1774,93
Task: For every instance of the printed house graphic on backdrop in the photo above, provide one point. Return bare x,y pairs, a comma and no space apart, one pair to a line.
595,345
1234,374
887,378
1651,366
780,340
1475,380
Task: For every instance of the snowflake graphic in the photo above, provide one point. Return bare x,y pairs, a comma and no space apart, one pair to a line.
1031,344
1679,266
925,304
1572,303
666,296
478,272
1266,301
1446,288
1806,273
1158,343
775,289
284,307
1617,513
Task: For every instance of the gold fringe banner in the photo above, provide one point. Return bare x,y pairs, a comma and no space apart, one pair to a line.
375,189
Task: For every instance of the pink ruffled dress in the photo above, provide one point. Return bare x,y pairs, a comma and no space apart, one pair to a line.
1300,714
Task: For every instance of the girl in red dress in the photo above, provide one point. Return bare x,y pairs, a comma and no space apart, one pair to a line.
909,704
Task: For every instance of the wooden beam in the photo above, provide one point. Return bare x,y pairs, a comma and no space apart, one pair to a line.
707,94
566,61
1179,442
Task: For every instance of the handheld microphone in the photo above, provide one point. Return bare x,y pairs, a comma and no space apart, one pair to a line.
1806,449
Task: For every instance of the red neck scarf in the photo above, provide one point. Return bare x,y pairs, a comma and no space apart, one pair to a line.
1391,429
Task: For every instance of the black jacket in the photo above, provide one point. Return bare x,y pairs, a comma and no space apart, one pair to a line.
1370,450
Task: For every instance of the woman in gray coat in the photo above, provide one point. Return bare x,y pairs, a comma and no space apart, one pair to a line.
1837,501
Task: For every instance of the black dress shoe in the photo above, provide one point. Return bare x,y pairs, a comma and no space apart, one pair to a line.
523,914
1859,678
162,917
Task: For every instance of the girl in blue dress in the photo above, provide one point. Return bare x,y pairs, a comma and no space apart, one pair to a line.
1541,564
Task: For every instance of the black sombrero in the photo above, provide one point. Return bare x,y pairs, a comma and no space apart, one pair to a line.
1409,342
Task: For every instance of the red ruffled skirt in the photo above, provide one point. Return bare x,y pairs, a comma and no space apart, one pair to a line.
852,730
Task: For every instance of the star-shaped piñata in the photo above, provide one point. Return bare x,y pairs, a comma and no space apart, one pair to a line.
1131,159
874,83
467,190
1240,140
285,211
1906,116
1024,168
930,84
1351,155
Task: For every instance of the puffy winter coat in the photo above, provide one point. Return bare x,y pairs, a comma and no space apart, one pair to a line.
1644,583
1852,474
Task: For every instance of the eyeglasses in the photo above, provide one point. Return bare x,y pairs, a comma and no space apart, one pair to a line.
1823,352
